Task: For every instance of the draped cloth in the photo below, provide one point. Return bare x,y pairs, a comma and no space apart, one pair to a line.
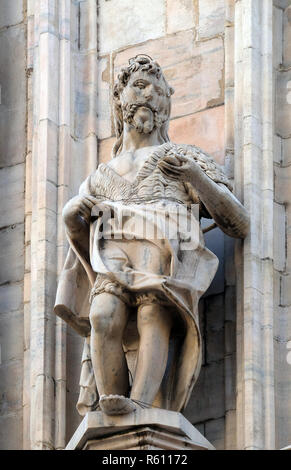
140,268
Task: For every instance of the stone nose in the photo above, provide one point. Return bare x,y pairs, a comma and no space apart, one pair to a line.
148,93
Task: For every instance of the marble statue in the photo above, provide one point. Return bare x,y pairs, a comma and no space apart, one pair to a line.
135,297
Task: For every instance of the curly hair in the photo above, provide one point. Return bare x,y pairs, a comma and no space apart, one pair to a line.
146,64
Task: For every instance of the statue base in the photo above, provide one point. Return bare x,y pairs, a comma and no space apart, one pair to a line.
144,429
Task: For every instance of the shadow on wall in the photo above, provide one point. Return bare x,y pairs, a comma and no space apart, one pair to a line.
214,241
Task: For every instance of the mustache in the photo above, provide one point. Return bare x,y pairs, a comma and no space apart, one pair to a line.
131,108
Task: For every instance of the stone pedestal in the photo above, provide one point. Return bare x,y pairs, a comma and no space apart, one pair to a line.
141,430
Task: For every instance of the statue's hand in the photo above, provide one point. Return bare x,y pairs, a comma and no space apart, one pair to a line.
182,168
78,206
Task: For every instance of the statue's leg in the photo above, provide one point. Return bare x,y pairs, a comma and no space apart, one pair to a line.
108,318
154,326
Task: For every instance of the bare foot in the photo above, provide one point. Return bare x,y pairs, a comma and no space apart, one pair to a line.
116,404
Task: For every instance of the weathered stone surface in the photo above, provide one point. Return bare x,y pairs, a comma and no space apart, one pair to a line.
11,387
288,263
229,11
27,287
229,266
198,76
282,3
88,30
214,320
132,25
229,56
204,129
144,438
214,432
13,96
202,321
12,148
48,80
12,192
215,242
230,303
11,336
211,18
104,124
12,71
48,18
11,297
283,97
207,405
12,176
230,430
42,398
287,37
11,432
180,15
286,291
286,144
279,237
230,337
11,12
11,257
84,115
48,145
278,37
73,368
200,427
282,184
278,149
230,375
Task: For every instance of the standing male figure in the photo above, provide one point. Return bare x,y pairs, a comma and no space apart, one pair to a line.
135,297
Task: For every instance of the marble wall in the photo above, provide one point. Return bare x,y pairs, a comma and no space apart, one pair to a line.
282,210
12,176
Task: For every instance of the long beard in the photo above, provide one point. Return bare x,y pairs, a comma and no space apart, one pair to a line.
143,116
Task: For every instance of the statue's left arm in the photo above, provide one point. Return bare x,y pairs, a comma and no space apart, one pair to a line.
228,213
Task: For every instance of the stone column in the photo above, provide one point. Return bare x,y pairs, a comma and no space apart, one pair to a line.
282,211
254,258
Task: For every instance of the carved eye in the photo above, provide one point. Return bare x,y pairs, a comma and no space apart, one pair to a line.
140,85
160,92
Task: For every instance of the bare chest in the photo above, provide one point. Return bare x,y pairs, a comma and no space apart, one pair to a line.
128,164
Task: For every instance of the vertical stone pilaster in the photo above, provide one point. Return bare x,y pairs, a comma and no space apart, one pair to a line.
64,151
254,257
28,213
229,270
61,69
77,140
44,182
282,212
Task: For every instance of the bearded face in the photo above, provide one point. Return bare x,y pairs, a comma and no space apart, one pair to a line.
145,102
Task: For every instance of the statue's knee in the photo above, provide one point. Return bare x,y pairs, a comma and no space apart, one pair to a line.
152,314
105,316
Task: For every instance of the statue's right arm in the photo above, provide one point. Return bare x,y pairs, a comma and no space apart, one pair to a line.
76,216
